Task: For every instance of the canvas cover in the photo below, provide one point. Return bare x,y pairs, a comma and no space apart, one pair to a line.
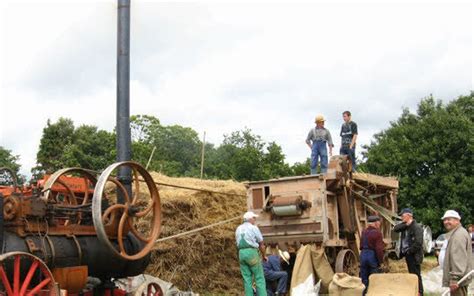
393,284
345,285
311,265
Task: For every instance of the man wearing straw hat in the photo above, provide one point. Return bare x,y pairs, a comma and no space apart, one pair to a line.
249,241
316,141
456,260
274,274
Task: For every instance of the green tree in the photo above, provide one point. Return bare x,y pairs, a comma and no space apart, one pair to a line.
92,148
242,151
56,139
62,145
301,168
9,160
178,148
245,156
274,164
142,127
431,152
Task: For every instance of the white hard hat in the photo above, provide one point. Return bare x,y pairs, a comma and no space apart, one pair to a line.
285,256
451,214
250,215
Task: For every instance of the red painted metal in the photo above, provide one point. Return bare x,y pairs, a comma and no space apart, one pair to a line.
16,276
40,286
29,276
5,281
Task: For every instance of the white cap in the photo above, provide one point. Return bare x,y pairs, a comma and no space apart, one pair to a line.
285,256
250,215
451,214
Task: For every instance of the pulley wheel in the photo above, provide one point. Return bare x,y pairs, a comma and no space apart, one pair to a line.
137,213
346,261
58,178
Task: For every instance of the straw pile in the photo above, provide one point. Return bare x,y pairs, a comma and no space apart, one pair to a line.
400,266
204,262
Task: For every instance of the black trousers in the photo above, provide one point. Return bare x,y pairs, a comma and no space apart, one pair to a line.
415,268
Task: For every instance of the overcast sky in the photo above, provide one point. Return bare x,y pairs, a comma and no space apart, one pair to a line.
221,67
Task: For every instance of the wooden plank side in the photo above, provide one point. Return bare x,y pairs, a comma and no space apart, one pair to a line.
257,198
389,182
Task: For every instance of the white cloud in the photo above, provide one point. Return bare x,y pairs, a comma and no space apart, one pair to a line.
220,67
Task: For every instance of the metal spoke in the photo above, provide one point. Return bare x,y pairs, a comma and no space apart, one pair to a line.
28,277
5,281
16,274
38,288
137,185
109,210
120,232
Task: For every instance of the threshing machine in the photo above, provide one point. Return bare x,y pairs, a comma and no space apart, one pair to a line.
329,210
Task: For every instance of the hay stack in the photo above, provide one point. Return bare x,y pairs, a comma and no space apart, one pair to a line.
206,261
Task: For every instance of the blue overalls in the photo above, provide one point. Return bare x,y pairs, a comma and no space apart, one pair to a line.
319,149
273,273
368,260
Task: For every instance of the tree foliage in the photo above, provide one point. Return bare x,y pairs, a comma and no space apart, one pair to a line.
177,148
431,152
62,145
301,168
243,155
9,160
56,139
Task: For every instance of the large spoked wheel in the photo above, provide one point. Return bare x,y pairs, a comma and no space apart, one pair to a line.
23,274
59,190
57,182
346,261
139,213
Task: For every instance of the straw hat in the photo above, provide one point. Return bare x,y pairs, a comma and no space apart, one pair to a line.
285,256
319,118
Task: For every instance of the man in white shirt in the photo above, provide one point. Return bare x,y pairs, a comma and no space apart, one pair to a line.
249,241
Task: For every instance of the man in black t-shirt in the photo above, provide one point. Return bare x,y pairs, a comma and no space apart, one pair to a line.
348,138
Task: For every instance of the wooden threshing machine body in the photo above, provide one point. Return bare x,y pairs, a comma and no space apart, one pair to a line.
329,210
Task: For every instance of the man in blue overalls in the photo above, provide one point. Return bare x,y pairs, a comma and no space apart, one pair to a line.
316,141
372,249
273,273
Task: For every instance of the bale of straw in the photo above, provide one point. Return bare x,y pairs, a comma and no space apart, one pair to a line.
204,262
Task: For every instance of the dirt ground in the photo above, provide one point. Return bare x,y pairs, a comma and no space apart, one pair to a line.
399,266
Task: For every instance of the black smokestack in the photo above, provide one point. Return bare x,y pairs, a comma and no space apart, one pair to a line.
123,92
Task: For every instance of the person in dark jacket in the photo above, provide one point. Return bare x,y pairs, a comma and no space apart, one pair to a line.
348,138
274,274
411,244
372,250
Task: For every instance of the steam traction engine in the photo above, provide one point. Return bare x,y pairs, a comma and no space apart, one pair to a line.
73,225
